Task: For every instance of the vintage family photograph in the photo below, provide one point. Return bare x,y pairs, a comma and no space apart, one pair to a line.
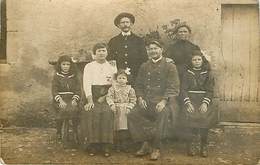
130,82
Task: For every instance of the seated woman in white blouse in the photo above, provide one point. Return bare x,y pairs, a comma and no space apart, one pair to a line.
97,118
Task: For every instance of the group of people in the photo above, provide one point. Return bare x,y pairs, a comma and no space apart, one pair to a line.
134,100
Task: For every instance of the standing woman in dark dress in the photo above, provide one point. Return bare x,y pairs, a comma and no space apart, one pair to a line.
196,93
181,50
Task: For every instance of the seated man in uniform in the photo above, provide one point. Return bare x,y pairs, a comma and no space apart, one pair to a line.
157,82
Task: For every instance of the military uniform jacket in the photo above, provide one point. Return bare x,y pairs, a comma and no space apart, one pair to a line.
128,51
157,81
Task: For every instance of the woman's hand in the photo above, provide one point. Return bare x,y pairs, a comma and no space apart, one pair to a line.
142,103
90,104
62,104
190,108
203,108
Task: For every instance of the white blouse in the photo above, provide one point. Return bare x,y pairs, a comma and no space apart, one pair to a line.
97,74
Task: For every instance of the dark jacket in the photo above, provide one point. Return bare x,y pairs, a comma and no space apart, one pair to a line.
180,52
128,52
157,81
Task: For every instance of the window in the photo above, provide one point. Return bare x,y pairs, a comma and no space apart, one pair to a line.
3,31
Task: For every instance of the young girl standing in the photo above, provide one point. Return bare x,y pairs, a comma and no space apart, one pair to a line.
97,119
197,92
66,93
121,98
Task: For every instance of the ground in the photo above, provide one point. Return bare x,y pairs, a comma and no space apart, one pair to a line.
228,145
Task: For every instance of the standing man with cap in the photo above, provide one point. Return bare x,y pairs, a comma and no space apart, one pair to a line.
157,84
127,49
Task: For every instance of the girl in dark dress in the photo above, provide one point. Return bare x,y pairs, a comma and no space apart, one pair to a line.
196,93
66,93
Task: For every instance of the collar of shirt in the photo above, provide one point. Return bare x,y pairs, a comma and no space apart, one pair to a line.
126,33
155,61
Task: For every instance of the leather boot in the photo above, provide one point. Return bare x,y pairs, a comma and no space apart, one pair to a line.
204,150
155,154
144,150
191,148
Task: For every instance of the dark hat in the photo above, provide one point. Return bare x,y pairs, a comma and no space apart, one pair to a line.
156,42
122,15
196,52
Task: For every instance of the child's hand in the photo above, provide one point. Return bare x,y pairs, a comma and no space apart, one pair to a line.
62,104
74,103
128,110
190,108
203,108
113,107
142,103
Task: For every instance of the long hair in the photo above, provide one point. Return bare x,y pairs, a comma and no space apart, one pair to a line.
68,59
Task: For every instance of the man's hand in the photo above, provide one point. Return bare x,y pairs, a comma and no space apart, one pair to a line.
190,108
161,105
142,103
203,108
62,104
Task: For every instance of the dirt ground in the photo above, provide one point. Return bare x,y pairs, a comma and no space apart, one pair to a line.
229,145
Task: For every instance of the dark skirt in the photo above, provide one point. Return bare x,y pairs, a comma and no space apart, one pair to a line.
70,112
97,124
198,119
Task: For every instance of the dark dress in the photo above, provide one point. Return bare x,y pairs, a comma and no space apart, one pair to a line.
128,52
67,87
97,124
197,88
181,52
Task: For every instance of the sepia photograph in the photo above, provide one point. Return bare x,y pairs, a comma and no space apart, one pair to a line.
130,82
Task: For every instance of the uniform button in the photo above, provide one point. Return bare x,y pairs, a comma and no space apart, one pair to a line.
159,86
125,62
126,54
148,73
125,46
148,79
